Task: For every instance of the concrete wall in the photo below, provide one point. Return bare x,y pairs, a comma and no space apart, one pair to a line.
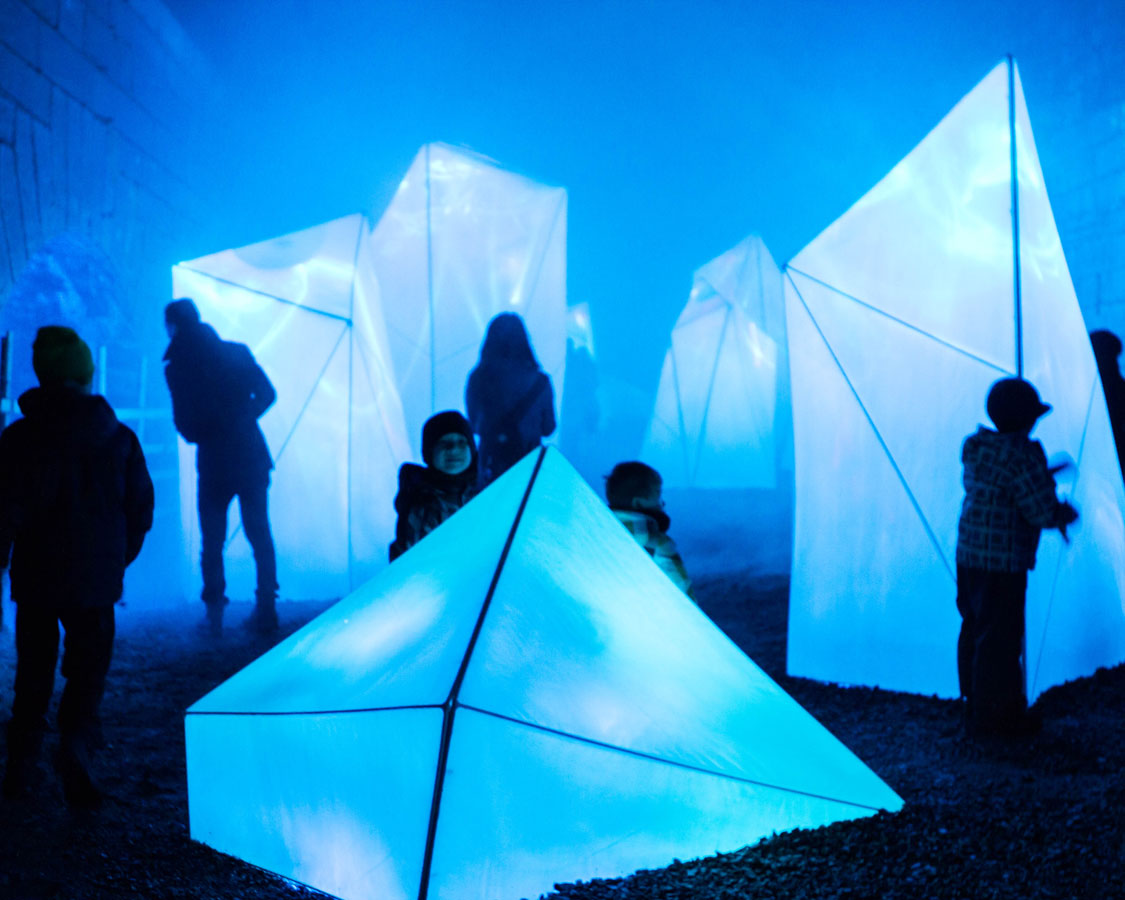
100,193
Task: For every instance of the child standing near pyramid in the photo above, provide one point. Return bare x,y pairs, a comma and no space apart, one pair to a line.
635,495
430,494
1009,498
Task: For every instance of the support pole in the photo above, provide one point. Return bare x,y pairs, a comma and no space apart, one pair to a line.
1016,286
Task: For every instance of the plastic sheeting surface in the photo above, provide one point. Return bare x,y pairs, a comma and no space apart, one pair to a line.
721,418
603,722
892,353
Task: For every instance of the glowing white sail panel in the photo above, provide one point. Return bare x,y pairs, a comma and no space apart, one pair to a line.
595,721
461,241
920,326
721,414
335,432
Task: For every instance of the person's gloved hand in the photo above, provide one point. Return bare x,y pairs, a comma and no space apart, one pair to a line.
1064,516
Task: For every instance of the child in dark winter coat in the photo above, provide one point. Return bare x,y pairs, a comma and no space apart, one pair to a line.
430,494
76,502
634,492
1009,498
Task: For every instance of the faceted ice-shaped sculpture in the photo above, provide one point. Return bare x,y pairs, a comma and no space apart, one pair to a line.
901,314
366,332
522,698
721,418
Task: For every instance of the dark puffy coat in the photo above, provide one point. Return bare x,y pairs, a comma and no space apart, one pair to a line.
75,499
512,407
218,393
425,499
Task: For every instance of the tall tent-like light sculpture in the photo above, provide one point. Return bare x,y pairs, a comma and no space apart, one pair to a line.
721,418
523,698
946,276
307,306
462,240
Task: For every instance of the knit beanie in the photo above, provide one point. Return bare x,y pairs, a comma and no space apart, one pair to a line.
438,426
59,355
181,312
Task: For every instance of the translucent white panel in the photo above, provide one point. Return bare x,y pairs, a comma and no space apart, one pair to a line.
338,802
1076,595
923,397
737,446
871,601
665,447
311,268
932,242
695,352
462,241
610,650
523,810
399,639
747,277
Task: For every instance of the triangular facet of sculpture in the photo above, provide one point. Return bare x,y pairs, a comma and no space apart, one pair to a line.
901,315
461,241
721,418
303,304
522,699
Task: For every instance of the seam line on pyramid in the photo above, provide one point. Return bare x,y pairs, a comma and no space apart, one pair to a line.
449,708
297,421
668,762
680,410
310,712
896,319
375,399
543,248
266,294
878,436
1032,681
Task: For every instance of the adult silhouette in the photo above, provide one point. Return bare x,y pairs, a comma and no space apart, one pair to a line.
218,393
1107,350
508,397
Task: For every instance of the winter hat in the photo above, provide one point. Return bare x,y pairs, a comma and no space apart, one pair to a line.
60,355
1014,404
181,312
438,426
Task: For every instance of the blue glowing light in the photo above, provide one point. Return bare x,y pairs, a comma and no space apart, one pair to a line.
901,315
603,723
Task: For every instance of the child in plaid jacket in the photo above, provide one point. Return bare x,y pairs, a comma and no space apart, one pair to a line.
1009,498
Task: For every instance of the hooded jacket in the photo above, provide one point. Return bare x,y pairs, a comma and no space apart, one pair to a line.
218,393
425,499
650,530
76,499
1009,498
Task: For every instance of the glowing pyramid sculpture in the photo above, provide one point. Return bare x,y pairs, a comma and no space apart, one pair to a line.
523,698
946,276
306,305
721,418
461,241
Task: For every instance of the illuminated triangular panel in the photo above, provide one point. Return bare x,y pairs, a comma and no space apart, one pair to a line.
721,416
572,721
868,574
944,225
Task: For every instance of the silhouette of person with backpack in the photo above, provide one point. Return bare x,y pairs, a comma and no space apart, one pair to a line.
218,394
508,397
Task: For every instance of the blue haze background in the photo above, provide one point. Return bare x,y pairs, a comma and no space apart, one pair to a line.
677,128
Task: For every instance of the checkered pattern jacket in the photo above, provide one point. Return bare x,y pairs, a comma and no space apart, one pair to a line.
1009,498
660,547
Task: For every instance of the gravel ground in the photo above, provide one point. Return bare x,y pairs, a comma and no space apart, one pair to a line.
1039,818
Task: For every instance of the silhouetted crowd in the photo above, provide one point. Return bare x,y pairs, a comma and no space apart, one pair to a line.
76,502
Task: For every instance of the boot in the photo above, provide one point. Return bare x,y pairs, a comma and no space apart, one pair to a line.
72,764
212,624
21,774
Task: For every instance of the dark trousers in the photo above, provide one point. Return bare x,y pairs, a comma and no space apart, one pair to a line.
215,496
87,650
990,648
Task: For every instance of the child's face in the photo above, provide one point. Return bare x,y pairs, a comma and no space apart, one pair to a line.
452,453
653,501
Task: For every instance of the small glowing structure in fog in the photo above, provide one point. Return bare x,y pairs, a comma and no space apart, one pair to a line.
523,698
366,332
722,417
901,314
